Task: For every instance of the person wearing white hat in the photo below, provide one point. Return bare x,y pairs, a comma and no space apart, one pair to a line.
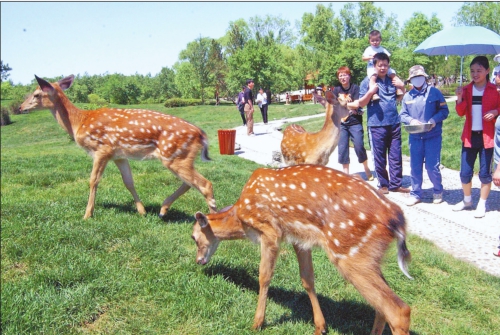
424,104
495,78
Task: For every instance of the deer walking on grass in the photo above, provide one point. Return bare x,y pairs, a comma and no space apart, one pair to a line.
313,205
301,147
122,134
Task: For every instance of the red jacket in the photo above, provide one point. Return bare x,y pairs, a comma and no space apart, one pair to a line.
491,101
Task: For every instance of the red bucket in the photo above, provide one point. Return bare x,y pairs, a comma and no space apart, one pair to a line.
227,140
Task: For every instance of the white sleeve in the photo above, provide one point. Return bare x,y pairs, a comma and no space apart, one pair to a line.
367,52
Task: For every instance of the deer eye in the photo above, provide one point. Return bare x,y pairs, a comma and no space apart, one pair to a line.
37,95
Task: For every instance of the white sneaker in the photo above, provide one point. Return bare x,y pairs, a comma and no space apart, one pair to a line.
412,201
437,198
461,206
480,212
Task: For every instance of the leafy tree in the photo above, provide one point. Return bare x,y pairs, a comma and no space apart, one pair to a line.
236,37
271,29
197,53
483,13
4,68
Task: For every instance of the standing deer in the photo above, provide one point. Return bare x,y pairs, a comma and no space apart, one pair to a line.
121,134
300,147
311,205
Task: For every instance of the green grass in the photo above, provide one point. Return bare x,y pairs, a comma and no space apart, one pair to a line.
120,273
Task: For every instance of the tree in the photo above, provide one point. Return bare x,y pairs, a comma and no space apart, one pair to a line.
197,53
5,68
484,13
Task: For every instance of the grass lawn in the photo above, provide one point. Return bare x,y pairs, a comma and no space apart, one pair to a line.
120,273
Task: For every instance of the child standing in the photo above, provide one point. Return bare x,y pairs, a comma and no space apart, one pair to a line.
375,38
480,103
424,104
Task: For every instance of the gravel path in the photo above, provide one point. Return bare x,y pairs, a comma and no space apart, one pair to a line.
458,233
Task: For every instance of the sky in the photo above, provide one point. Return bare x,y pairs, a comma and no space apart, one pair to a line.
52,39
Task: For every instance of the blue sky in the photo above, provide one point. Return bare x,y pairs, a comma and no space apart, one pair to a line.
61,38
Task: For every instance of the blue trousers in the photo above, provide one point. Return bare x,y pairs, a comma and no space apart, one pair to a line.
385,142
355,133
469,156
426,151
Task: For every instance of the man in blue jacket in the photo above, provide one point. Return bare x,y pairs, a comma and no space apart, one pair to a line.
384,125
424,104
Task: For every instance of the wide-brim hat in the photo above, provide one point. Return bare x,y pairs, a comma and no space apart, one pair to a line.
416,71
497,58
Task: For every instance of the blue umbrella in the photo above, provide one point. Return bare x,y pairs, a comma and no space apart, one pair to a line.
461,41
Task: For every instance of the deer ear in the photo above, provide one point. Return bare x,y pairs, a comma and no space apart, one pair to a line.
319,99
65,83
44,85
330,97
201,219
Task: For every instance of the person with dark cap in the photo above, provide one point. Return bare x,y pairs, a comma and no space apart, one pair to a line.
424,104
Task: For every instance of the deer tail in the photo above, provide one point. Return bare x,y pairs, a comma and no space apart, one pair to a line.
404,255
204,150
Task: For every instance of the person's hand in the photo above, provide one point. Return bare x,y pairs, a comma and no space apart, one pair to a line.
432,122
459,92
373,88
490,116
415,122
496,176
397,82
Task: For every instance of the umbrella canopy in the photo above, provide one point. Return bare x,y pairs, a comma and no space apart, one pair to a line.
461,41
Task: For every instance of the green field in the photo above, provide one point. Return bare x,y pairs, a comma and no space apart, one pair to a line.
120,273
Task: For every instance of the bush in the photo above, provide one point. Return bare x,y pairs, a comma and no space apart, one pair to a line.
5,116
178,102
95,101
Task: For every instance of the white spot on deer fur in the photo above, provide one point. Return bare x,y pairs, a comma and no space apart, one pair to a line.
331,225
342,225
353,251
350,223
300,207
336,207
329,233
304,186
92,126
313,194
362,216
337,243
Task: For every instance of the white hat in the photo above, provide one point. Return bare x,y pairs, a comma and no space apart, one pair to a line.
497,58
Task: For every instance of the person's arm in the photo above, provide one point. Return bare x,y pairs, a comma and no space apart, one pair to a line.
496,175
443,111
404,114
365,98
461,106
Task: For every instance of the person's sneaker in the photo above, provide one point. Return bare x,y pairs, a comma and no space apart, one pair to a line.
375,97
480,212
401,189
412,201
497,253
437,198
461,206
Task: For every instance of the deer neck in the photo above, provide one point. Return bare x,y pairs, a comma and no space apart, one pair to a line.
226,225
67,115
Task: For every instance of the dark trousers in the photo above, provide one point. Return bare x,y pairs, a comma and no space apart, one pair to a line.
241,109
385,142
263,111
355,133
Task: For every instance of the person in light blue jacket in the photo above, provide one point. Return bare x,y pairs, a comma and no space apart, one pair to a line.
424,104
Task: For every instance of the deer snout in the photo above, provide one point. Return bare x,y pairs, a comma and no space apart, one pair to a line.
201,261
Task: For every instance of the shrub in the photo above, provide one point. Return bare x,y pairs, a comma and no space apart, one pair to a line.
5,116
95,101
178,102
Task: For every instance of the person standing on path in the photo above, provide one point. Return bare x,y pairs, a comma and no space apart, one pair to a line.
262,102
384,127
352,126
241,104
496,173
479,102
248,96
424,104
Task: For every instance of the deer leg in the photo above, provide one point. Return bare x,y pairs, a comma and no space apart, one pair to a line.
373,287
124,167
98,167
168,201
307,275
185,171
268,256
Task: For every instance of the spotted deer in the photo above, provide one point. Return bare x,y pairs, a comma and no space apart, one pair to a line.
122,134
312,205
301,147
